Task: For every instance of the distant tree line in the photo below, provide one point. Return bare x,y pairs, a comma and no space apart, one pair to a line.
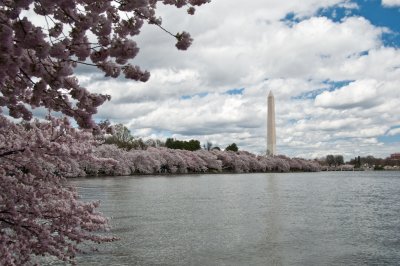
127,155
177,161
191,145
359,162
372,161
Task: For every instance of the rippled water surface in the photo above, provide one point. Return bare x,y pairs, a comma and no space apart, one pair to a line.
326,218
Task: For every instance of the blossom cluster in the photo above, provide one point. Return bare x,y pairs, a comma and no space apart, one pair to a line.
40,214
37,62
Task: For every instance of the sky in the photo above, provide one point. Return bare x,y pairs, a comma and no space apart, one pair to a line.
333,66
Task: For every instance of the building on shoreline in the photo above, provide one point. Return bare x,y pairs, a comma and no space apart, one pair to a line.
395,156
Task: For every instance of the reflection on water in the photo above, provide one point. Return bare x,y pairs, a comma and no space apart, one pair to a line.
272,218
324,218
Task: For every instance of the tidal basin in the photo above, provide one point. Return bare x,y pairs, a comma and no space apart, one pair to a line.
325,218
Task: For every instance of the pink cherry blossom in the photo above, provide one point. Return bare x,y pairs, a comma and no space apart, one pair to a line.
184,40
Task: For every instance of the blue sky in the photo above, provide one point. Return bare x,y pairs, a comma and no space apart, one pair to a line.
376,13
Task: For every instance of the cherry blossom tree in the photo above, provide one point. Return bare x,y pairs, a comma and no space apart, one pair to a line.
211,160
40,214
144,162
120,166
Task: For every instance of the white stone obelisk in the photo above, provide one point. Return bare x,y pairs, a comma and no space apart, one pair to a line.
271,133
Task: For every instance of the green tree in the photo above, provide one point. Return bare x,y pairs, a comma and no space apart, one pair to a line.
121,137
208,146
339,160
169,143
330,160
191,145
232,147
122,133
356,162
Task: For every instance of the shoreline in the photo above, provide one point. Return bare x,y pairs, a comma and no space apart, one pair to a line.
195,173
226,172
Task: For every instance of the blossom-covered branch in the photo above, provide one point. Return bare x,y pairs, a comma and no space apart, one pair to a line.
37,62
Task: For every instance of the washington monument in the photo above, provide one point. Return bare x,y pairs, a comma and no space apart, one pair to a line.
271,133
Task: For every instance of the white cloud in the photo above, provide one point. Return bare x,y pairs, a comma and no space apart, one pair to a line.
394,132
360,93
391,3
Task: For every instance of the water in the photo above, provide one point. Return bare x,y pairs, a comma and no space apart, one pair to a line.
326,218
